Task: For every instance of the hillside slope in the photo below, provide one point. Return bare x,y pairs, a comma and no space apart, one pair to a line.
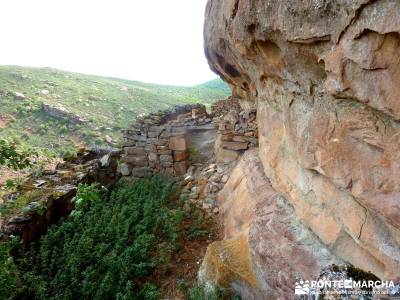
82,109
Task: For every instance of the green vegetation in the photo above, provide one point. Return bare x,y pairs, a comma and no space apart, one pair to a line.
108,248
30,197
108,105
10,277
11,157
194,154
199,292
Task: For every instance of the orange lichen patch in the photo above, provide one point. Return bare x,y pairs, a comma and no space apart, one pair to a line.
228,261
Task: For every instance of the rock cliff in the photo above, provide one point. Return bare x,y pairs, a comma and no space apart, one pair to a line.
324,79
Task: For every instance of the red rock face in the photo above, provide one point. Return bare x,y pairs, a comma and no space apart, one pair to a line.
325,79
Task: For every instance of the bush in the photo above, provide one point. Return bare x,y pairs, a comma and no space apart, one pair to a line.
64,129
10,281
11,157
198,292
109,246
68,152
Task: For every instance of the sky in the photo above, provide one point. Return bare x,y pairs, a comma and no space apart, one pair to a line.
158,41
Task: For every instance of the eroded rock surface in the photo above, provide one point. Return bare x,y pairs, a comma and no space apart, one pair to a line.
324,77
265,246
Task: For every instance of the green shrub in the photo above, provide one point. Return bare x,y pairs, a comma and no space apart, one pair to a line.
68,152
109,246
11,157
200,293
64,129
10,277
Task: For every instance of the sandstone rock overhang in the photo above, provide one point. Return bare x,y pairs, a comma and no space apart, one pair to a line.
324,77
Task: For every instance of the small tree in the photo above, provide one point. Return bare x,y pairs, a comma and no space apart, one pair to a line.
11,157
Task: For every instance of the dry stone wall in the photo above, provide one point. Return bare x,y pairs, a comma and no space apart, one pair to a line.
237,129
161,141
61,112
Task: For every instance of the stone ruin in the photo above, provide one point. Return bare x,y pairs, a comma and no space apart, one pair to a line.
162,141
187,142
237,129
60,112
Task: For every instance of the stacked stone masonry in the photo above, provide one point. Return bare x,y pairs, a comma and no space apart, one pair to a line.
237,129
160,142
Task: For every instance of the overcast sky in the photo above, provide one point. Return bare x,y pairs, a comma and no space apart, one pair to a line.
158,41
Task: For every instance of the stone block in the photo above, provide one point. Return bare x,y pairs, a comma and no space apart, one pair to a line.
181,167
124,169
141,172
184,117
134,151
181,155
179,143
150,148
166,158
165,134
138,160
226,137
164,152
166,164
235,145
152,134
169,171
161,142
141,138
178,130
244,139
162,147
198,113
140,144
153,156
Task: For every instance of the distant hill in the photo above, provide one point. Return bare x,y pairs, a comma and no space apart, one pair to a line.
82,109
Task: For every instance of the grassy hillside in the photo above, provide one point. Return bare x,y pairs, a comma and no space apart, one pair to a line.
107,104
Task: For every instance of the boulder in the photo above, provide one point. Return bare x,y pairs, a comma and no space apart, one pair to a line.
105,161
19,96
234,145
265,246
324,78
